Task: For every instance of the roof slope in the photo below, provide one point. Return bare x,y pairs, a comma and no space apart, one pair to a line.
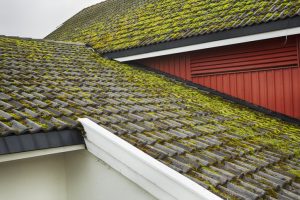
118,24
232,151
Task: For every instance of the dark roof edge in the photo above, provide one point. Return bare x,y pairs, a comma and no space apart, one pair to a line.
44,40
227,97
232,33
39,141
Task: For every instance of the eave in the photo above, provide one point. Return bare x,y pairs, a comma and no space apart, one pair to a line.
17,147
280,28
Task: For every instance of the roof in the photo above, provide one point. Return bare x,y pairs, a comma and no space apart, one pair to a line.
38,141
233,151
118,24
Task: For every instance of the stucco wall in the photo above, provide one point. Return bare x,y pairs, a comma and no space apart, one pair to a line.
40,178
75,175
90,177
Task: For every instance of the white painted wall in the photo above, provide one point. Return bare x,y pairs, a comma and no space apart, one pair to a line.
76,175
40,178
90,178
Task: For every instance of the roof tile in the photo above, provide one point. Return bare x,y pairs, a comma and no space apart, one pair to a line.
231,154
103,26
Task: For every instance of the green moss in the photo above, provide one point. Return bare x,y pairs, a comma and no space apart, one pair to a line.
7,123
210,170
254,127
15,116
44,126
92,78
295,172
108,28
272,192
2,119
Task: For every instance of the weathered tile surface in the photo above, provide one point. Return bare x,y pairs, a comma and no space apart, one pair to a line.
121,24
234,152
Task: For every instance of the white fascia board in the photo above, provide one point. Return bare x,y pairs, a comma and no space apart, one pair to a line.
36,153
218,43
158,179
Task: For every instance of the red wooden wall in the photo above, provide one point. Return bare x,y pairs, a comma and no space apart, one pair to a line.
265,73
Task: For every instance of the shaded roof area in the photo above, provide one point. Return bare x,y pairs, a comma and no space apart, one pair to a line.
122,24
231,150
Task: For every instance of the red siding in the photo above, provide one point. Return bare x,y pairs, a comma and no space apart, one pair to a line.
265,73
177,65
282,95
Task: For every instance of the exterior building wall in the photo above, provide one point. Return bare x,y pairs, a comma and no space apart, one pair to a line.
74,175
265,73
33,179
90,178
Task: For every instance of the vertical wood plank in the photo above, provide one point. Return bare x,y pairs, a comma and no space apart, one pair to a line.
214,82
279,91
255,88
220,83
263,97
177,66
172,64
271,90
226,83
233,85
296,91
207,82
240,86
182,67
188,67
248,86
287,91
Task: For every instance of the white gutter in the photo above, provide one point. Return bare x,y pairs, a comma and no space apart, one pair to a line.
158,179
36,153
219,43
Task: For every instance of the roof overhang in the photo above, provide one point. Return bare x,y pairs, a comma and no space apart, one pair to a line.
37,153
153,176
286,27
22,146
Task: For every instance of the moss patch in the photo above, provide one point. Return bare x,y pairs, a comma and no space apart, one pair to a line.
108,28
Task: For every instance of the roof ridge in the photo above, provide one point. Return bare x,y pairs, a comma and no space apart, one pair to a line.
45,40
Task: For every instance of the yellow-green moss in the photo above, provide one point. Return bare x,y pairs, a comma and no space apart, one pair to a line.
106,27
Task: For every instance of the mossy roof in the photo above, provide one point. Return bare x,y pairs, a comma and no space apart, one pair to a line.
231,150
122,24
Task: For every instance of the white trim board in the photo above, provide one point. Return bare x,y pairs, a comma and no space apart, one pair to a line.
218,43
36,153
158,179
